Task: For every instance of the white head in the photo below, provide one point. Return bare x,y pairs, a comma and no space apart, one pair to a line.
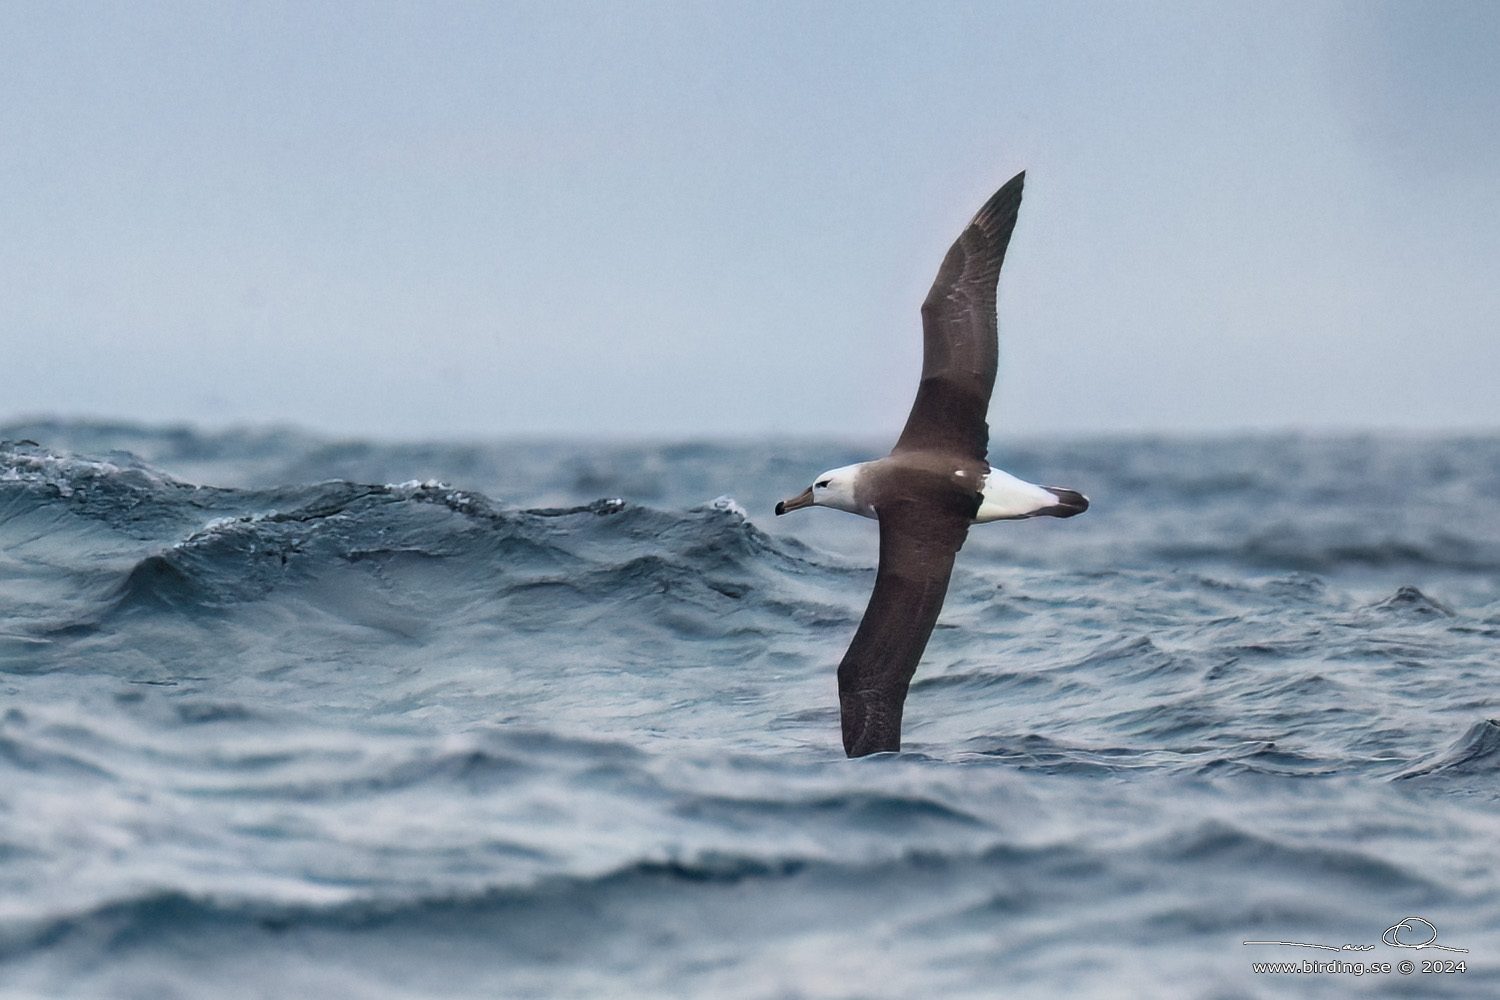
834,488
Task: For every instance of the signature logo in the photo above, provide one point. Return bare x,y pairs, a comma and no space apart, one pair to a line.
1392,936
1414,927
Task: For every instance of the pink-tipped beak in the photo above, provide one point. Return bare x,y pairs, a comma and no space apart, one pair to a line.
803,499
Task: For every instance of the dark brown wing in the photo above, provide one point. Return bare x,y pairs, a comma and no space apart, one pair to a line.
960,342
918,541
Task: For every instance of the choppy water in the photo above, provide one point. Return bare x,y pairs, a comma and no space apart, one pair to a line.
285,716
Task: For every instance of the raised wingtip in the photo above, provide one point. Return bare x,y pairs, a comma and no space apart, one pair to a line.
1000,211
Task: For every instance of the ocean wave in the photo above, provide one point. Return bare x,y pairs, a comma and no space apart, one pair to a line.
1331,551
1218,845
249,544
766,895
546,906
1411,601
1476,754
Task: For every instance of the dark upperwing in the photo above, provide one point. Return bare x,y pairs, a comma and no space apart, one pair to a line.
960,340
918,540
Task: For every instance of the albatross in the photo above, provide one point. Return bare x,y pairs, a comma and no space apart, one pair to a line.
934,484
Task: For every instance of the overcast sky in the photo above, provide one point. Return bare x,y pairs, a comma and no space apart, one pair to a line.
705,219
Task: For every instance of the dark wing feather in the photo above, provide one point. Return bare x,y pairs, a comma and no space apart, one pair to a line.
960,341
918,541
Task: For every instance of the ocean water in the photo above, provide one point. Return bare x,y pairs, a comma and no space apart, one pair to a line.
284,716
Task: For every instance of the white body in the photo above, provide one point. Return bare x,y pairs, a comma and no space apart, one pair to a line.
1006,498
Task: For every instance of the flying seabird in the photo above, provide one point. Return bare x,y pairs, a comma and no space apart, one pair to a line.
934,483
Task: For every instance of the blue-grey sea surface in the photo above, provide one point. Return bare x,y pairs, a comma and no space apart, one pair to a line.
287,716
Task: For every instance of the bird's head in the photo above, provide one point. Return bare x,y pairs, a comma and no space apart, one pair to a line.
834,488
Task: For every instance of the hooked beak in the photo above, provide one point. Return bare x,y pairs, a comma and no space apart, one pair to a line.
803,499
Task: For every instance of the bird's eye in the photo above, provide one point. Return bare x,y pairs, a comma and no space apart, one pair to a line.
822,485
